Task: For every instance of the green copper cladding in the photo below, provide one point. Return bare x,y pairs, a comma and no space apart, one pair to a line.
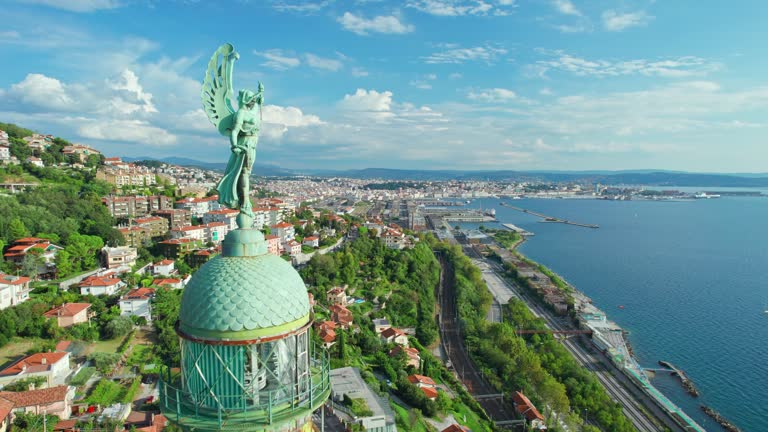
243,297
241,127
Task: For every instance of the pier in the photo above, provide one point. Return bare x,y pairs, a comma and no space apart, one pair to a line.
517,229
687,383
550,218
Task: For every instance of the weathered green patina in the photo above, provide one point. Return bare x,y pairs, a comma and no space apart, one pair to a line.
242,298
241,127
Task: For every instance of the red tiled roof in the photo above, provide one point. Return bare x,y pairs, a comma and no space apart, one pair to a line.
416,379
63,345
271,237
392,332
215,224
36,397
526,408
165,262
139,294
67,310
327,335
202,252
311,238
65,425
6,279
96,281
456,428
282,225
161,282
5,408
34,363
430,393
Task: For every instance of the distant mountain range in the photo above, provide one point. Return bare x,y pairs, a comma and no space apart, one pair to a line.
629,177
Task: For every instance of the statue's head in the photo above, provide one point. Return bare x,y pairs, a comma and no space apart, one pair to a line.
246,98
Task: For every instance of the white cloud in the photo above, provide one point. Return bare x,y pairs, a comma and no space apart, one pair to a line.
78,5
545,92
462,7
685,66
566,7
278,60
130,96
422,85
301,7
367,100
457,55
359,72
615,21
379,24
492,95
42,92
318,62
279,120
135,131
455,75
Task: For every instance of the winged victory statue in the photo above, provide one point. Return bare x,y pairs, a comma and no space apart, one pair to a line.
241,126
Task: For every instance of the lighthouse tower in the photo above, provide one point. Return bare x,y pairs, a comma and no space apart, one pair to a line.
247,361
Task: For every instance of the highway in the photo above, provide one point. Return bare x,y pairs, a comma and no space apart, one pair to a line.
614,383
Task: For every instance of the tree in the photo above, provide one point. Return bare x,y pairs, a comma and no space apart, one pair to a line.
118,327
17,229
63,262
104,361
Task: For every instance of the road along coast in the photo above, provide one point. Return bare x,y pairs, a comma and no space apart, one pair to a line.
564,308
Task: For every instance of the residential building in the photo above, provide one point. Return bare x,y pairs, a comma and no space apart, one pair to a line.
347,382
337,296
176,217
165,267
53,366
179,247
55,401
156,225
198,207
46,252
82,151
6,414
327,333
393,239
5,153
293,248
36,161
136,205
121,256
283,230
189,231
225,215
201,256
39,142
412,357
169,282
380,324
341,316
136,236
422,381
215,232
273,244
525,408
396,336
137,303
100,285
13,290
311,241
70,314
133,175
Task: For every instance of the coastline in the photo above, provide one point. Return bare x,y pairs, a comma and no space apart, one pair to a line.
616,349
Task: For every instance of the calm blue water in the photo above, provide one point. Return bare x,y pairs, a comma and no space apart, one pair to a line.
693,277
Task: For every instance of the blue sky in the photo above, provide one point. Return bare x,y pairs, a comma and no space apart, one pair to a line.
464,84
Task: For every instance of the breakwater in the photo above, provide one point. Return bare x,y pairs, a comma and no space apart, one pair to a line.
550,219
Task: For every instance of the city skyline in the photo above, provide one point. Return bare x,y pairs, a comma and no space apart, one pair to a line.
419,84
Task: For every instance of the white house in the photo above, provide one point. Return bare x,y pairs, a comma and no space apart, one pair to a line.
36,161
393,335
165,267
311,241
189,231
228,216
53,366
283,230
5,153
137,303
293,247
215,232
100,285
13,290
121,256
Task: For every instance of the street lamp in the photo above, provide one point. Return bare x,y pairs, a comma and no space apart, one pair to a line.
586,414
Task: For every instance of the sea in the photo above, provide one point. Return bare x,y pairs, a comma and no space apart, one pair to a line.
688,279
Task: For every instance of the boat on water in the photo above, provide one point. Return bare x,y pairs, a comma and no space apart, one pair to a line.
704,195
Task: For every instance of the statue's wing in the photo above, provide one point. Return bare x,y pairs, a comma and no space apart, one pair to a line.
217,90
